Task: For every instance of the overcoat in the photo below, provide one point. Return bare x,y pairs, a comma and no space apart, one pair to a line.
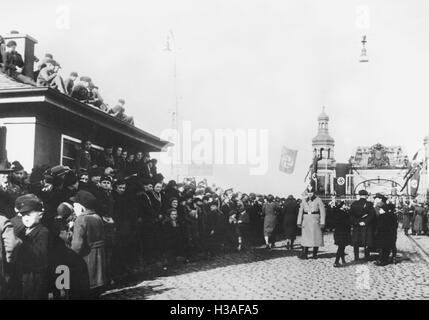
311,216
385,233
270,212
341,224
407,217
33,263
88,242
290,214
362,211
419,213
8,245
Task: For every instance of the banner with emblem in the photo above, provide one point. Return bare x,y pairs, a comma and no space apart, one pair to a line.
414,183
341,171
287,160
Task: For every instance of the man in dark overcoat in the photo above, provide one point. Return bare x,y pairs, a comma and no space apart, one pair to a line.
362,216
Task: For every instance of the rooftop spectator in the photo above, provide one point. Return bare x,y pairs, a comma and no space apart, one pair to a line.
49,76
14,64
69,83
95,98
119,112
42,64
2,53
81,89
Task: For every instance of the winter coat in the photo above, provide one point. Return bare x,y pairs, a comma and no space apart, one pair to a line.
362,211
270,212
290,215
89,242
311,216
341,223
9,244
385,233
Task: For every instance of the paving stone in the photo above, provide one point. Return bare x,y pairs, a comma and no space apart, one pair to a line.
276,274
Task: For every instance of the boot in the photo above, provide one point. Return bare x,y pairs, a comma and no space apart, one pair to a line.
304,253
337,260
356,252
367,254
343,259
291,245
315,250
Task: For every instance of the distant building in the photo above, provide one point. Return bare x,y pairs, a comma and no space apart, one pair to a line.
376,168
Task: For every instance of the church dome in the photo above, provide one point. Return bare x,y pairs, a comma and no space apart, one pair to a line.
323,139
323,116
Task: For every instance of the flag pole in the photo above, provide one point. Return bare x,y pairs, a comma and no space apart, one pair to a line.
175,112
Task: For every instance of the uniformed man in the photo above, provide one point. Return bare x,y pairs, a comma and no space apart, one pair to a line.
362,215
311,218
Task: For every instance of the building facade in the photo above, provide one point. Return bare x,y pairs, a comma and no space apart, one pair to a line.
376,168
46,127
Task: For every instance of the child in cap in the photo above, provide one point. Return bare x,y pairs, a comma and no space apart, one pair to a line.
33,254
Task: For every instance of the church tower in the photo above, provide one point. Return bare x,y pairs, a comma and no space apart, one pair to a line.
323,145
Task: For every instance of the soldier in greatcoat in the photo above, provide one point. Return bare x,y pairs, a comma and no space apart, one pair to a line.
311,219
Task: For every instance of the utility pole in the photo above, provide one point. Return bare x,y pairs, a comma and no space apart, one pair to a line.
171,47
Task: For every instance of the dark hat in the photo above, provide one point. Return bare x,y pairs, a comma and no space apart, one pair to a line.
120,180
169,211
381,197
64,210
121,101
51,61
363,193
74,74
48,55
11,43
171,183
28,203
85,198
85,79
106,178
58,171
70,179
172,199
96,172
16,166
146,181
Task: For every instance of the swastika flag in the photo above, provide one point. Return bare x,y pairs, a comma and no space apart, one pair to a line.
287,160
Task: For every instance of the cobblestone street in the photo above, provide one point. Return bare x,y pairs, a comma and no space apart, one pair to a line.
279,274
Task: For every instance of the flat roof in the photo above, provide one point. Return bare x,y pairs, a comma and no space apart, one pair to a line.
12,92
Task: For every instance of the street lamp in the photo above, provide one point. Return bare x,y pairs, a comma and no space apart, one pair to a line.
363,56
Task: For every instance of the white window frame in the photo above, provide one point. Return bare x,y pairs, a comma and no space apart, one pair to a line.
66,137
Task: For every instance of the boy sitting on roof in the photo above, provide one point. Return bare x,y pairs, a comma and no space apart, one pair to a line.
14,64
49,76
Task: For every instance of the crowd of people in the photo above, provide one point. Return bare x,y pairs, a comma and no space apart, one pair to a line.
48,74
106,214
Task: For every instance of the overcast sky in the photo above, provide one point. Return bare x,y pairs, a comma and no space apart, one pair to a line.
250,64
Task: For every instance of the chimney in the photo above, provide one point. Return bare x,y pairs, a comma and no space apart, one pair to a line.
25,48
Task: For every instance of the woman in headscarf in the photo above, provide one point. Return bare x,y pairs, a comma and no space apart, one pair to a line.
290,214
418,219
270,213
